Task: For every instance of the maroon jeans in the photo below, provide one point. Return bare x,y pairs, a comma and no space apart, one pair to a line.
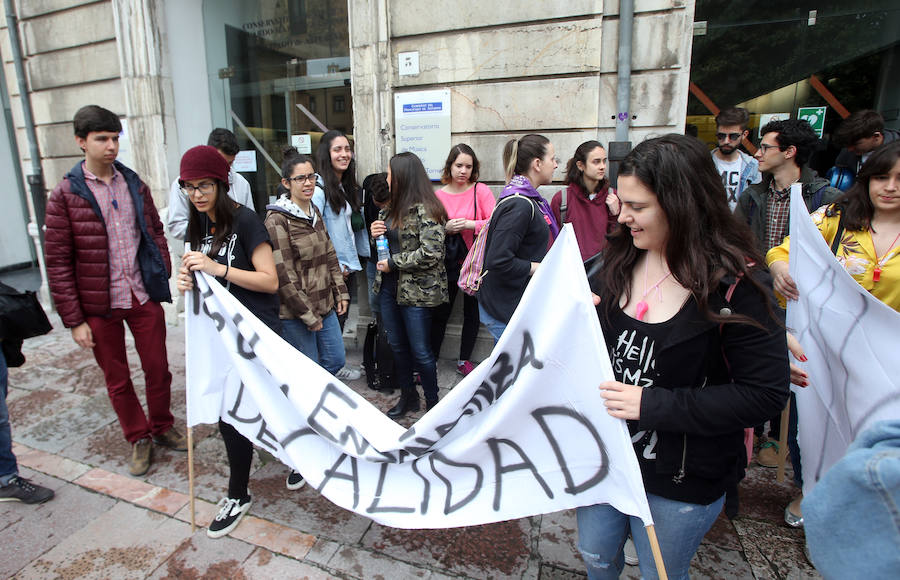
148,326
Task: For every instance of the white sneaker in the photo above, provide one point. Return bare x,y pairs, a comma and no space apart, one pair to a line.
348,374
631,557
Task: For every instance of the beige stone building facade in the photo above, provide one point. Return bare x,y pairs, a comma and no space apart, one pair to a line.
173,70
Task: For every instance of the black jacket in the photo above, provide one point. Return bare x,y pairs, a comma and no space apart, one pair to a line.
751,206
851,160
713,383
517,235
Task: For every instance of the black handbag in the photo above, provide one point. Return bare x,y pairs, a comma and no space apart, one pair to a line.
21,315
378,359
455,250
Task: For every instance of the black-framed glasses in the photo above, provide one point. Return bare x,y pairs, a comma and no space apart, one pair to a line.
731,136
300,179
205,188
764,148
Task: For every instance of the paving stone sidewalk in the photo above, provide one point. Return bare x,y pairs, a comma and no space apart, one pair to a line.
104,523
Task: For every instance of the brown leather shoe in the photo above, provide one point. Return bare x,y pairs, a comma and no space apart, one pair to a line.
140,457
172,439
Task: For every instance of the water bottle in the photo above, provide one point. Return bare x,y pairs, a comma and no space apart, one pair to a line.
381,246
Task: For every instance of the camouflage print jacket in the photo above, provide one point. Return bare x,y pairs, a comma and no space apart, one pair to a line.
422,277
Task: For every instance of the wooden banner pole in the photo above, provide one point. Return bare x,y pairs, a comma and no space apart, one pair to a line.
190,443
657,554
783,442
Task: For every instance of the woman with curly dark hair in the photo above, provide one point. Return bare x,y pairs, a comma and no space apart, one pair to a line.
697,357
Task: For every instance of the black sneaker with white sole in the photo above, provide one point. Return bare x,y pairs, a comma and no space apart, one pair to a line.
295,480
230,513
21,489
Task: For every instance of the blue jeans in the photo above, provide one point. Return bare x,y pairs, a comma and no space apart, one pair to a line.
494,326
374,306
680,527
409,334
325,346
8,465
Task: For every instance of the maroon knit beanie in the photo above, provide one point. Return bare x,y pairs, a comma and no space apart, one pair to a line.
203,161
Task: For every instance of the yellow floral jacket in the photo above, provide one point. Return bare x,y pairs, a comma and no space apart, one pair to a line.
857,254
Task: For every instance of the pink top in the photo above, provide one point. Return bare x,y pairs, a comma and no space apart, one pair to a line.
120,219
462,205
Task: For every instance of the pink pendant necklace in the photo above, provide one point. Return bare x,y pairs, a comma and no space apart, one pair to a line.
640,310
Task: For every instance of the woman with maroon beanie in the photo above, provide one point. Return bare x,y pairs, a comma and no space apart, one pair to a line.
230,242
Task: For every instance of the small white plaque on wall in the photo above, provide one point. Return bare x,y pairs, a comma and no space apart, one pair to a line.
408,63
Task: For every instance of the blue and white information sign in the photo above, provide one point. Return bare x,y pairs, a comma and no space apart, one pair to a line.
422,119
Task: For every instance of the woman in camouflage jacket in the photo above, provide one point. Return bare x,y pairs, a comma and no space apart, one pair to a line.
413,279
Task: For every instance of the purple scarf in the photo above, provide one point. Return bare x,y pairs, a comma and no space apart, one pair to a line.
520,184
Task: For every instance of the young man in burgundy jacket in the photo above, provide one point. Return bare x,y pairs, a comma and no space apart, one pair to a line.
108,264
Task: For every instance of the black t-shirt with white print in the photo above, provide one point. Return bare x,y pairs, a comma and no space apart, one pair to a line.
248,232
632,350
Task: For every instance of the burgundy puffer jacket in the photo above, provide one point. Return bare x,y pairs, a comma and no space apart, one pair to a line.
76,247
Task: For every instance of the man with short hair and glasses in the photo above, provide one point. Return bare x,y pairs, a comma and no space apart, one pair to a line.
738,170
108,264
783,152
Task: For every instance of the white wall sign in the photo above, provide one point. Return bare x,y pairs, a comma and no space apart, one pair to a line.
422,119
303,143
245,161
408,63
767,118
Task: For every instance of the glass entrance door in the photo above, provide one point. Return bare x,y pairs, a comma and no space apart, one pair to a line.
279,74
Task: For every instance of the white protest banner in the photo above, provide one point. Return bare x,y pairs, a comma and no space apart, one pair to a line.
525,433
850,339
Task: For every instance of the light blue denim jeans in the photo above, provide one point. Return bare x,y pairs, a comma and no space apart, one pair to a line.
325,346
852,515
680,527
494,326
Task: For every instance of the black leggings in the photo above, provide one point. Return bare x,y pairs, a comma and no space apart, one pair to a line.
441,315
240,457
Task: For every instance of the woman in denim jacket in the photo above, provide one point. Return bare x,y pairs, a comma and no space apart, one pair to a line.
337,199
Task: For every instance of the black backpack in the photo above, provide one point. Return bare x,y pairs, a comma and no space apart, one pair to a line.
378,359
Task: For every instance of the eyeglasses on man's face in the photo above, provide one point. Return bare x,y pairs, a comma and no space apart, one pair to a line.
764,148
205,188
300,179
